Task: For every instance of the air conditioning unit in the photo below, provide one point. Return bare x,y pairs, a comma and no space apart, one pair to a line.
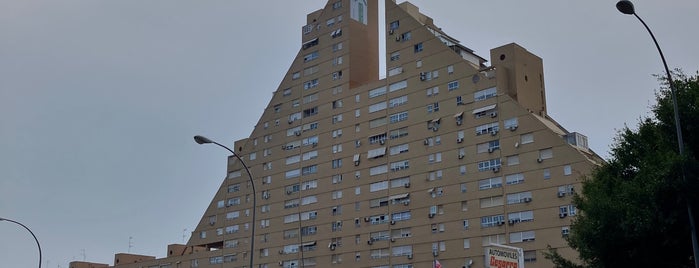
435,128
527,199
391,31
332,246
516,144
423,76
490,150
382,141
397,38
410,256
493,133
539,160
427,142
291,121
494,114
562,215
356,163
461,156
513,128
393,239
496,169
281,263
458,122
298,133
289,191
407,185
366,219
370,241
512,222
281,251
459,140
501,223
431,215
561,194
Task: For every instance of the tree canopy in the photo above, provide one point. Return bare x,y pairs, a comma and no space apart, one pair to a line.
634,206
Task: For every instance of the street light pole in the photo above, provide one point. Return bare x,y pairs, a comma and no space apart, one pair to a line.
204,140
626,7
30,231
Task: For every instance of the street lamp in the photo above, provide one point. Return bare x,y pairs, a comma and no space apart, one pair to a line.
626,7
205,140
30,231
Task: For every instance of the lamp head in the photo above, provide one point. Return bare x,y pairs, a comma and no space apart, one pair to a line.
202,139
626,7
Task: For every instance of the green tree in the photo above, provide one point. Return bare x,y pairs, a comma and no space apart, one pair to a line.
634,211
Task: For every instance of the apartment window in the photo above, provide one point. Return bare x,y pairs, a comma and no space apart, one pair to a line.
337,61
399,133
517,198
307,29
378,107
492,164
417,47
459,100
310,84
511,123
357,113
463,187
309,170
513,160
337,5
432,91
395,56
491,128
394,25
377,92
491,221
337,118
529,256
337,46
450,69
400,165
337,90
380,138
462,170
546,153
494,239
312,56
522,216
310,98
488,147
395,71
310,70
310,44
378,170
464,205
337,148
547,174
397,86
337,133
490,183
337,163
398,117
336,33
567,170
526,138
418,63
434,107
399,149
485,94
406,36
337,75
453,85
467,242
337,178
395,102
337,104
493,201
514,179
522,237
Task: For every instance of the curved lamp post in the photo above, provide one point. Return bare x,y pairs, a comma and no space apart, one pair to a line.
30,231
626,7
205,140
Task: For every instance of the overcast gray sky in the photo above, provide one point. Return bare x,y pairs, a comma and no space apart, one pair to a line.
99,100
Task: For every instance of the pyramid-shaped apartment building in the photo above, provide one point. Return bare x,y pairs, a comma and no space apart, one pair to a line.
444,158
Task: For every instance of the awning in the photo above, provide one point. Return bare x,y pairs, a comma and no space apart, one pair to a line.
483,109
356,158
308,244
378,152
398,196
459,115
311,41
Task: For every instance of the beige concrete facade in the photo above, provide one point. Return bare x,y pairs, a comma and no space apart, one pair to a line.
444,156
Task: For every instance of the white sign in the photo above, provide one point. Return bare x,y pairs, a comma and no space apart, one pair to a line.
499,256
